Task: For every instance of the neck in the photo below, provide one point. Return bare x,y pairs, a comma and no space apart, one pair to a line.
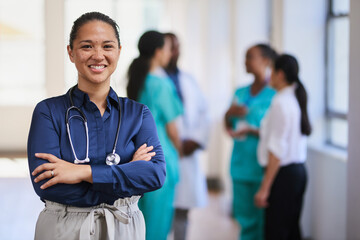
259,84
97,93
281,86
154,64
172,67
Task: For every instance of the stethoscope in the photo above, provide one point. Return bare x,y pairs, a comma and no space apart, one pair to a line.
112,158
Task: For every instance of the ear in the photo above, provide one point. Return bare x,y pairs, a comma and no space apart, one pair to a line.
70,53
119,50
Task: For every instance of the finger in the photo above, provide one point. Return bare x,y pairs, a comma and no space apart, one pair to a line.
148,158
43,167
46,156
145,156
151,154
44,175
142,146
143,151
148,149
49,183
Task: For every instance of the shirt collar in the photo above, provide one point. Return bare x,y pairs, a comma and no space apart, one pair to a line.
80,98
288,89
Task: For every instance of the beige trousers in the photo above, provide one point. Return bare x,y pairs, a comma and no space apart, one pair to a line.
121,221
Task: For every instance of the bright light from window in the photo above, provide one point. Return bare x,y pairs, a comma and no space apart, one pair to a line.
22,64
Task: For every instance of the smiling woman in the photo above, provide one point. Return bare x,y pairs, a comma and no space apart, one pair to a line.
98,124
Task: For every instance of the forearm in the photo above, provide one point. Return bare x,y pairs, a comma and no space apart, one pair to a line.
271,172
134,178
227,122
254,132
173,134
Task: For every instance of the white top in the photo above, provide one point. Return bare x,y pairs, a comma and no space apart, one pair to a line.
280,131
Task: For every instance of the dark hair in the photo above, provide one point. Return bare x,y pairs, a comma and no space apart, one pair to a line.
140,66
267,51
289,65
92,16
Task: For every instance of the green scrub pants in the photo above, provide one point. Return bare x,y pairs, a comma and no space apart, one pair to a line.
158,210
250,218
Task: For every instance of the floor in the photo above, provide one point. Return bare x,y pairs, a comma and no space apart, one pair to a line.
20,207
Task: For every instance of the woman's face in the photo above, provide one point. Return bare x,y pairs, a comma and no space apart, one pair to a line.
165,55
255,62
95,52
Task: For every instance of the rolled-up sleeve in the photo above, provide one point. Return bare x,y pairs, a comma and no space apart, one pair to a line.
278,131
138,177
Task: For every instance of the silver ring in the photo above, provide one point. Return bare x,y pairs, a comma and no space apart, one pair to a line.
52,173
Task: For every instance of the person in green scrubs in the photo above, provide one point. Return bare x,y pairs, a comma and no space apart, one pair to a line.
242,120
149,84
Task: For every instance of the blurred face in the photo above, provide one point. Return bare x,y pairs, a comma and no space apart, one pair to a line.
277,79
175,49
165,53
255,63
95,52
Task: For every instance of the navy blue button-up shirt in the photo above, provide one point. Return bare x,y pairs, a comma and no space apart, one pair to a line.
48,135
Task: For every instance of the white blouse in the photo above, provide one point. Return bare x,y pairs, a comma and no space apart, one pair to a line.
280,131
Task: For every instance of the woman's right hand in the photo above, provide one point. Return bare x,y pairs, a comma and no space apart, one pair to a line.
143,153
237,110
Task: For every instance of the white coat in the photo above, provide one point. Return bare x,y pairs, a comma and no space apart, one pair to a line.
191,191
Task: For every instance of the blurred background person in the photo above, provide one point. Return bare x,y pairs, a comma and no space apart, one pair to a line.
191,191
282,151
149,84
242,122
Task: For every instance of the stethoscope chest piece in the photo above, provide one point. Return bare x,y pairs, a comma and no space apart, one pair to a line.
112,159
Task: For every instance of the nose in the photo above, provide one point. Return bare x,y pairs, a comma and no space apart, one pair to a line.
98,54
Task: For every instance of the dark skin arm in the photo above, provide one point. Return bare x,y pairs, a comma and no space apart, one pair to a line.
172,131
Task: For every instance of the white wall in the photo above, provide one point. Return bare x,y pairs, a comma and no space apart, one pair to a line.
324,213
353,186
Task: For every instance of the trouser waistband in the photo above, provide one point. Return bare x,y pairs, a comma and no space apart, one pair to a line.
122,210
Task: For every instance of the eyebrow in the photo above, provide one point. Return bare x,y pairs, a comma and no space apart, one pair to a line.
89,41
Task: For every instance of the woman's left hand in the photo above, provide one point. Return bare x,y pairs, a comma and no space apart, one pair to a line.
261,198
239,134
60,171
143,153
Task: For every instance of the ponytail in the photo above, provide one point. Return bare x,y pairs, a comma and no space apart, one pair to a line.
149,42
301,96
289,65
138,70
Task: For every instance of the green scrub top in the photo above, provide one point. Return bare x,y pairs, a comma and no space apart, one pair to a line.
159,94
244,165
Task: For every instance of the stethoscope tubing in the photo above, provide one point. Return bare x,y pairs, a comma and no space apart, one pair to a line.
84,119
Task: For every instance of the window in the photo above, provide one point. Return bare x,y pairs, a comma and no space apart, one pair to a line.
337,61
22,64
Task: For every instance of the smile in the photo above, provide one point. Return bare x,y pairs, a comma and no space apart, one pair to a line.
97,68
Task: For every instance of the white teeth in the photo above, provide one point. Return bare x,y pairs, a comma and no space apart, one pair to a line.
97,67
